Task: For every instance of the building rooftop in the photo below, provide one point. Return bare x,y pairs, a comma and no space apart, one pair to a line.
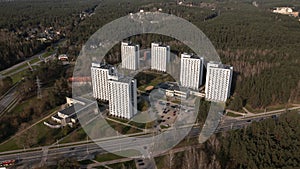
57,117
192,56
219,65
129,44
102,65
124,79
159,44
70,111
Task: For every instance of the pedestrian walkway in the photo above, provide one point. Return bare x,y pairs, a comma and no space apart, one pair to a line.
251,114
44,156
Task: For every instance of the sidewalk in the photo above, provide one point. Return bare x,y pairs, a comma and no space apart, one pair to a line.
250,114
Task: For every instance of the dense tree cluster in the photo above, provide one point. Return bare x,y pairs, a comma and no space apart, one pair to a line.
33,25
263,47
268,144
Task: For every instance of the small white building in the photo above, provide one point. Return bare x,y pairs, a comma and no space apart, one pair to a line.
68,115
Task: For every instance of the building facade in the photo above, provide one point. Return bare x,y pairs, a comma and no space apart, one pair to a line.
100,74
123,97
191,71
218,82
160,57
130,56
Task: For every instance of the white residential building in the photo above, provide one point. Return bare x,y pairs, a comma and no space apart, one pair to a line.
130,56
100,74
160,57
123,97
191,71
218,82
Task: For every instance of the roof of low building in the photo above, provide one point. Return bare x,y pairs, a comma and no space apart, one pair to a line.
69,111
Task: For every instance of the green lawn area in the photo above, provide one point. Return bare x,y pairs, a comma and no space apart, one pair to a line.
127,164
15,69
123,129
78,135
85,162
107,157
11,145
151,78
17,77
46,54
112,156
34,60
38,135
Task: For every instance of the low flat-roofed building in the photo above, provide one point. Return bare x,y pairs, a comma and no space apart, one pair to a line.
68,115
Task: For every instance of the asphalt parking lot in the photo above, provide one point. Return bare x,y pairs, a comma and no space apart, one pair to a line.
168,113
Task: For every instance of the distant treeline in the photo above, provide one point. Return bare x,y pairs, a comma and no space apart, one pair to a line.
27,27
263,47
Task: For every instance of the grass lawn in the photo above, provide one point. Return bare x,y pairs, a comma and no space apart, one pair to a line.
112,156
86,162
127,164
107,157
34,60
78,135
18,76
150,78
11,145
15,69
46,54
38,135
123,129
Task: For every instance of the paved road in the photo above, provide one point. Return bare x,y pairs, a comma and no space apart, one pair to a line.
28,60
113,145
26,67
8,99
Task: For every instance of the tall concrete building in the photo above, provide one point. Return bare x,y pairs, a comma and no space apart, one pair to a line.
130,56
123,97
218,82
191,71
160,57
100,74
